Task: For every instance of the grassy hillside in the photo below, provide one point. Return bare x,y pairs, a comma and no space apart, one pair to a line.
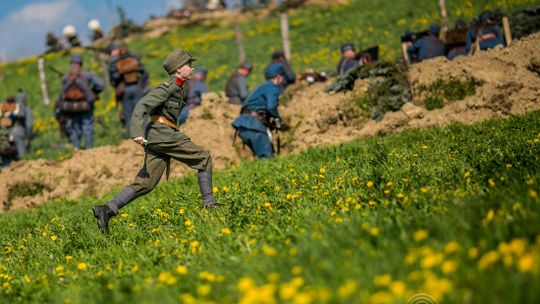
316,34
450,212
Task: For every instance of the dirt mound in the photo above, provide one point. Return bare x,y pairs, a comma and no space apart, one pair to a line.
510,85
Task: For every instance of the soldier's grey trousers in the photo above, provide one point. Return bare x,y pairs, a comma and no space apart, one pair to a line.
157,157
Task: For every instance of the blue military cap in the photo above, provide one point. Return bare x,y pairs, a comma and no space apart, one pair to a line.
434,29
201,71
76,59
487,15
347,47
246,66
273,70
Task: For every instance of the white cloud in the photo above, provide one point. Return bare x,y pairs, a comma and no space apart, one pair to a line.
23,31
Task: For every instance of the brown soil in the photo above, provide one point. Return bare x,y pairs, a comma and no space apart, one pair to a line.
511,86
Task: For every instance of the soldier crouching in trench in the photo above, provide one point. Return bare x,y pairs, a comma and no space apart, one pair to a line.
162,140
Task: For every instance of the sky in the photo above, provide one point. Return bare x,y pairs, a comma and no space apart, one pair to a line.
25,23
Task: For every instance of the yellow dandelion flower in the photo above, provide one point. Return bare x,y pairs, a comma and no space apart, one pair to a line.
370,184
449,267
54,237
82,266
225,231
204,290
451,247
526,263
347,289
420,235
269,251
181,269
244,284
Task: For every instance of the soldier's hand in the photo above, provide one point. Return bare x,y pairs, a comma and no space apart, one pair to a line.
277,121
140,140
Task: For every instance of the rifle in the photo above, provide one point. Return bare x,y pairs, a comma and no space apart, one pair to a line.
56,71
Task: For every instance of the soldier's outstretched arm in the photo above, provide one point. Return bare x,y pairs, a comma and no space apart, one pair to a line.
144,107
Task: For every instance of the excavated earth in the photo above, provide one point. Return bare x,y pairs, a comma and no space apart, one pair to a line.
511,86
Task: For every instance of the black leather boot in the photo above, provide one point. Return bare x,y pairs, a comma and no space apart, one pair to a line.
103,213
205,186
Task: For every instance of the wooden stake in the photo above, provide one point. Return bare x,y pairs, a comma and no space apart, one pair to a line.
284,22
404,47
444,16
105,71
43,80
239,42
506,29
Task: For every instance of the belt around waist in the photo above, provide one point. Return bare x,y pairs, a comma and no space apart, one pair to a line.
163,120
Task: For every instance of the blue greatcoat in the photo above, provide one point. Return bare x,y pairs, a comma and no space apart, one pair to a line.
490,37
197,87
427,47
263,100
82,124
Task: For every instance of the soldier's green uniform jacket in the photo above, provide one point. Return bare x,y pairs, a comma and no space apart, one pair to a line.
166,100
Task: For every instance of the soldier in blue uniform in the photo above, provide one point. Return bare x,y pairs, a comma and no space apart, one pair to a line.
129,77
488,34
289,77
197,87
348,60
76,102
429,46
260,106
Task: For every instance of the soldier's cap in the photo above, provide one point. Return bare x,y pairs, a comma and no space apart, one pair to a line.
10,99
487,15
273,70
201,71
115,46
278,54
347,47
460,24
76,59
176,60
434,29
246,66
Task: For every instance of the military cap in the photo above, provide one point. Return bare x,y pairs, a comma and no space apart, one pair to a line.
76,59
246,66
278,54
273,70
347,47
434,29
176,60
200,70
487,15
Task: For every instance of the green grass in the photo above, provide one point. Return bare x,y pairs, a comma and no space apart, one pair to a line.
452,212
316,34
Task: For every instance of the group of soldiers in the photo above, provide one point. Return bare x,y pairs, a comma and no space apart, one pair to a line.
16,125
459,41
71,37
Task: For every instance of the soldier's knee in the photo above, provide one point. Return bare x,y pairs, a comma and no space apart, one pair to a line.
207,161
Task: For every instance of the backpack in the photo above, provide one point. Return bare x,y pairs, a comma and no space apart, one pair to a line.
128,67
74,97
5,109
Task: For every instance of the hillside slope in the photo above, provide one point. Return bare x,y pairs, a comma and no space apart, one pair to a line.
315,118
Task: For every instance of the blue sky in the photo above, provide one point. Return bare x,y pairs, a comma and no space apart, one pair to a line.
24,23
